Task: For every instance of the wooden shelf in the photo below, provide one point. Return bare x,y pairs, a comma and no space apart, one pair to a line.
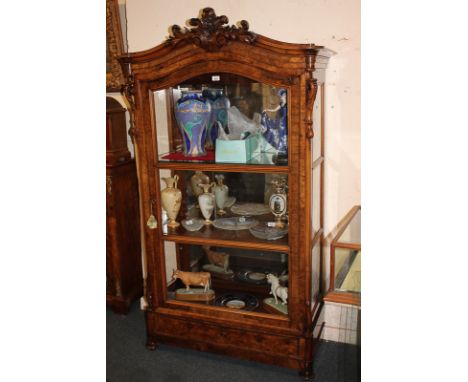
209,235
222,167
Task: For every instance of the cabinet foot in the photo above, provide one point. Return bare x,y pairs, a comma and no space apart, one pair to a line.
307,373
151,345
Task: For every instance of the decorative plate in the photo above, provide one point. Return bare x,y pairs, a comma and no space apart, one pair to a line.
262,231
252,277
234,224
250,209
193,224
237,301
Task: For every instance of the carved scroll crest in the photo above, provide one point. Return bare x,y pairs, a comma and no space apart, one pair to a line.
210,32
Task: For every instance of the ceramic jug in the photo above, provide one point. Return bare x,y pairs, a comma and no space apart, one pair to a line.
206,202
171,200
221,192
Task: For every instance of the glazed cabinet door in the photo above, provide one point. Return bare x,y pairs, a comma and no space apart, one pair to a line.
226,164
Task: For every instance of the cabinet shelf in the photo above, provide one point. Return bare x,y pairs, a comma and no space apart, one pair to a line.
224,238
222,167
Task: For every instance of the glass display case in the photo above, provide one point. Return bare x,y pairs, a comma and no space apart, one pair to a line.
345,261
229,134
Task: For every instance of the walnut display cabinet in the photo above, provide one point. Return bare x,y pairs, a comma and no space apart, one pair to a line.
262,136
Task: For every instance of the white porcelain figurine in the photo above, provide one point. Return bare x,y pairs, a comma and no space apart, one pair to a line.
277,290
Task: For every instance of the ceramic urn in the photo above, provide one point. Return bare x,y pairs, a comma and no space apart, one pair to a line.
221,192
279,202
206,202
171,200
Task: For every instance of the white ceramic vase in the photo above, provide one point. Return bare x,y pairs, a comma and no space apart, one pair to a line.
221,192
206,202
171,200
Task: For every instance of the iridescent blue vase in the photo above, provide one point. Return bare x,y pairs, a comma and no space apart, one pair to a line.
219,112
275,130
193,114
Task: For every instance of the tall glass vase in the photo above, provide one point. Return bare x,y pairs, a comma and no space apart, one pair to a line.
219,113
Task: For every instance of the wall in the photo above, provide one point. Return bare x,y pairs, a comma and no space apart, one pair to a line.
332,23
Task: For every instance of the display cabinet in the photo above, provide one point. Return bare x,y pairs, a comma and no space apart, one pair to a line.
229,132
345,261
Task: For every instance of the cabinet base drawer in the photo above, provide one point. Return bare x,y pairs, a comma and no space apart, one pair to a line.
247,344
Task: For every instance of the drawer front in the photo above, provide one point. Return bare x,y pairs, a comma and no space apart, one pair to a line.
226,336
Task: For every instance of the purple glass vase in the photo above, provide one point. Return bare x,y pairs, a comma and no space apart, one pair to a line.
192,113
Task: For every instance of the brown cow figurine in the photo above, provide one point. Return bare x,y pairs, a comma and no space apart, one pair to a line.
220,259
193,278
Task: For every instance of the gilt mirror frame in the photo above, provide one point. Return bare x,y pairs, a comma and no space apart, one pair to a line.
115,47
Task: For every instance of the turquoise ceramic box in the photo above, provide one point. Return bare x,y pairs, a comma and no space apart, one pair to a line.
237,151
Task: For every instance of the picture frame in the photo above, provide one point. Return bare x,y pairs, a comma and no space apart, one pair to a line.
115,47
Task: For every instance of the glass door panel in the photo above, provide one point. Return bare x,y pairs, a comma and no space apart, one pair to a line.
222,118
229,278
248,208
316,199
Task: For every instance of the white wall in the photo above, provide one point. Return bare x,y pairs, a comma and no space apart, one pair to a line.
332,23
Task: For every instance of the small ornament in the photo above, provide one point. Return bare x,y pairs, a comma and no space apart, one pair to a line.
152,223
218,263
202,279
279,203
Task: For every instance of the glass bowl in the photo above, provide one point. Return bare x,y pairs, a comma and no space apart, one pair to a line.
264,232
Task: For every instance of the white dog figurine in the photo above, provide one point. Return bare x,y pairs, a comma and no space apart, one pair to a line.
277,290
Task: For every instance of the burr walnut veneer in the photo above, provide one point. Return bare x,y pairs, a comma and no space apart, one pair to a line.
210,52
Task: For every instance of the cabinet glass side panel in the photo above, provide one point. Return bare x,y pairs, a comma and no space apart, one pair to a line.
317,126
222,118
228,278
347,270
315,274
248,208
316,198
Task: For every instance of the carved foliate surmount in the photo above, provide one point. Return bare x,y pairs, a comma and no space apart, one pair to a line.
210,32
